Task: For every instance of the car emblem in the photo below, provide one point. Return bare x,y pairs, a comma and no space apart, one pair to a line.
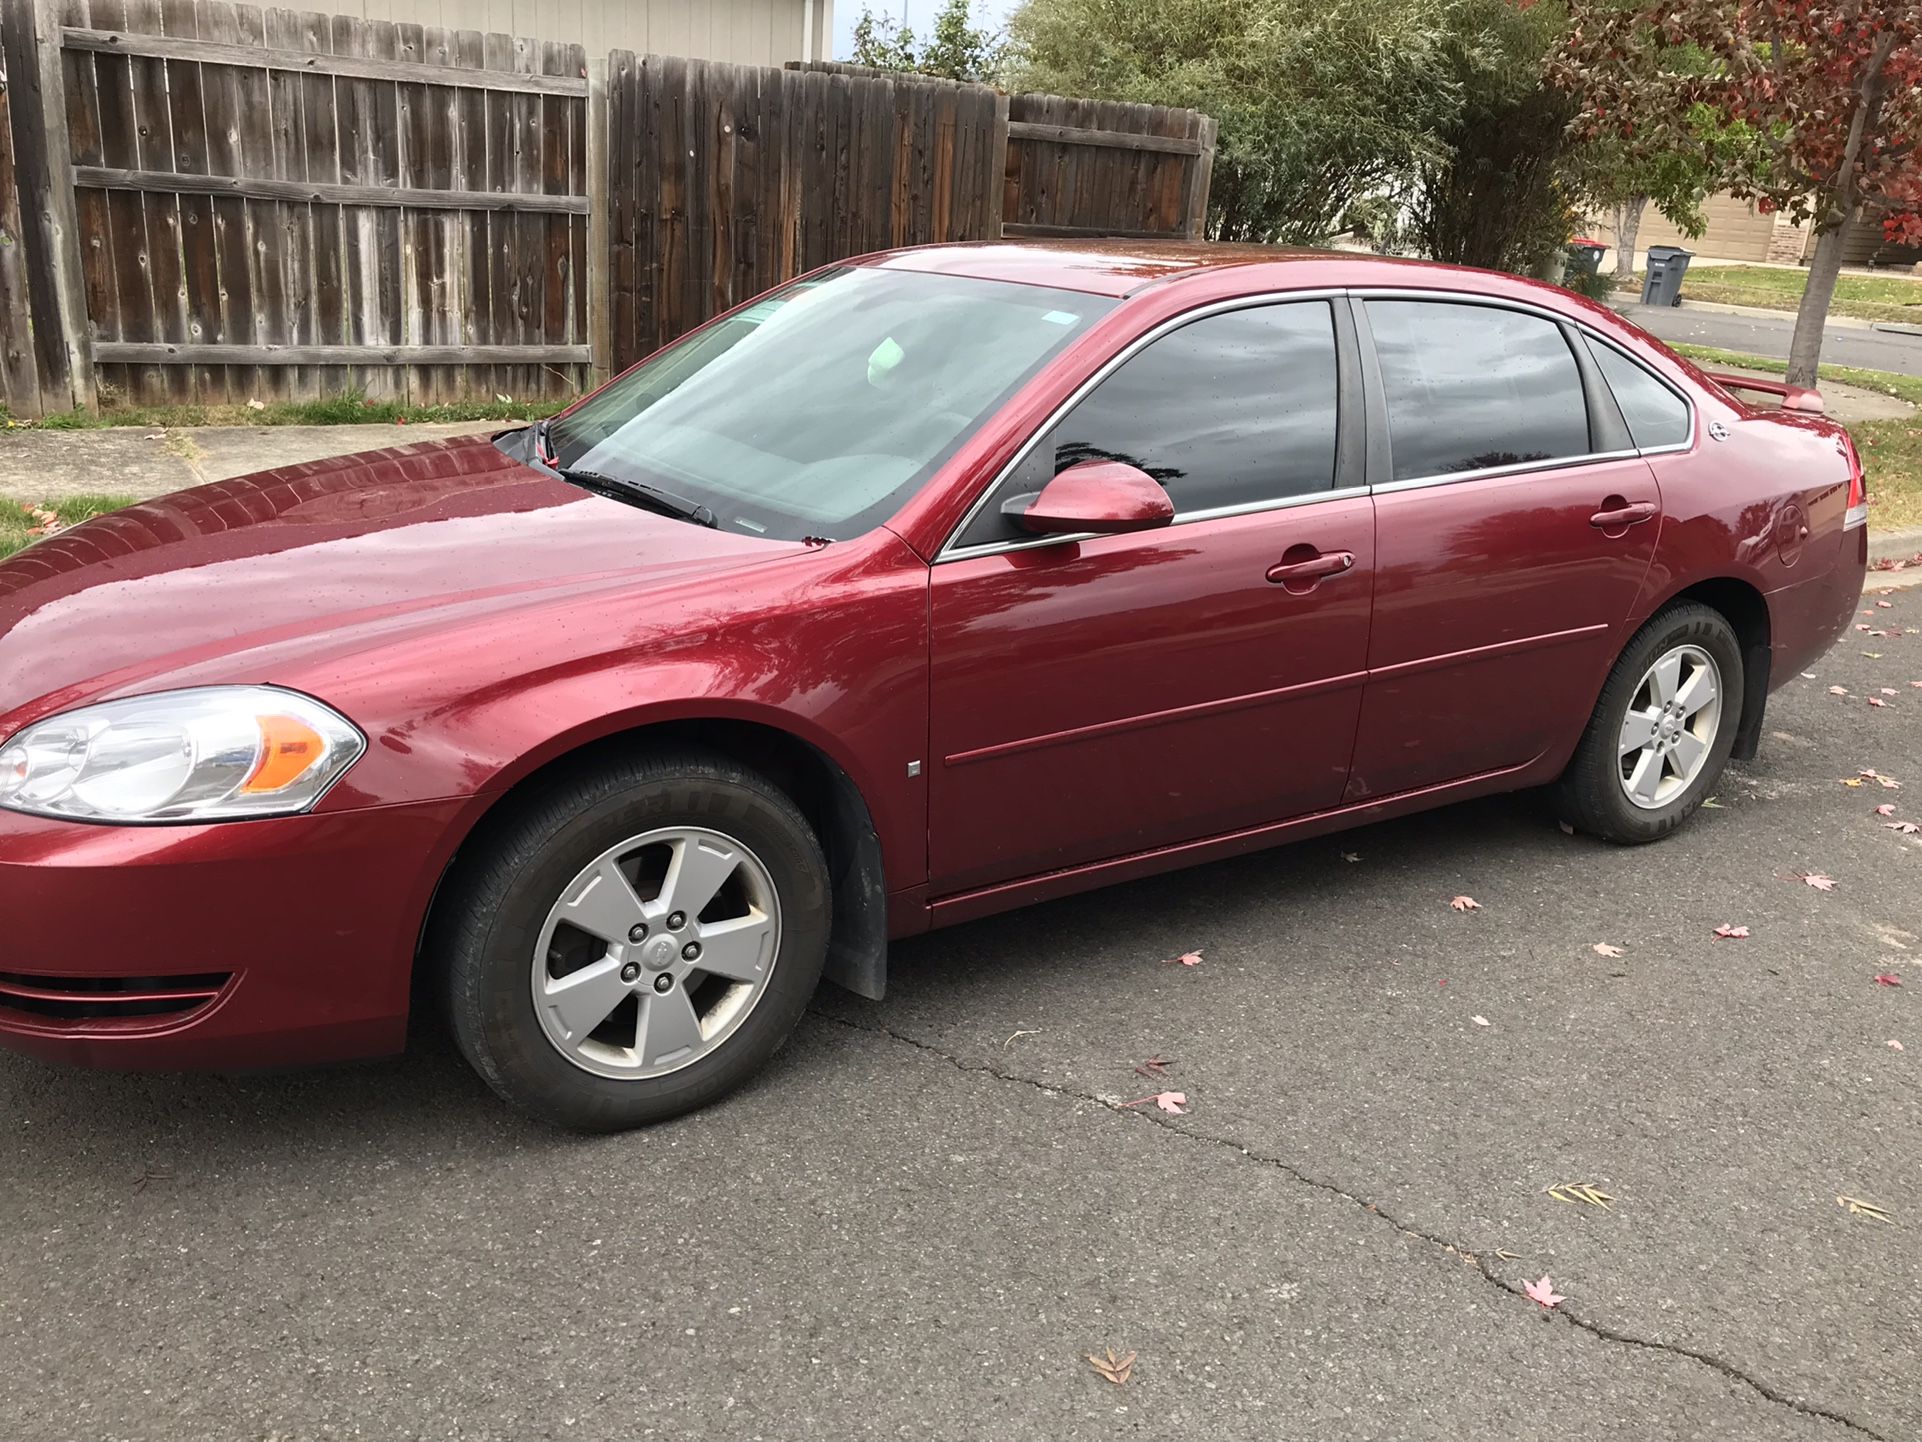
1717,431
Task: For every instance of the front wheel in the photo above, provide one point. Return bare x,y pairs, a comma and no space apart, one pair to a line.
635,941
1662,730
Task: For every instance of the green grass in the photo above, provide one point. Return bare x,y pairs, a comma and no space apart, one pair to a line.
1866,297
17,520
1891,450
337,411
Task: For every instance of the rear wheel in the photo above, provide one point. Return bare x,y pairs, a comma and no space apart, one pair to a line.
1662,730
636,941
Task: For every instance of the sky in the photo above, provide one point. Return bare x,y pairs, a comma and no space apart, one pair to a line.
919,14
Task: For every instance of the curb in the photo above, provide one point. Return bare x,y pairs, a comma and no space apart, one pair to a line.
1878,581
1632,303
1900,542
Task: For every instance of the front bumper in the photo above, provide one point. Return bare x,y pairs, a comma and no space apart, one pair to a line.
242,944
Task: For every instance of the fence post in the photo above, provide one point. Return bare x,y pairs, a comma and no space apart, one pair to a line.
998,168
1200,175
600,305
44,169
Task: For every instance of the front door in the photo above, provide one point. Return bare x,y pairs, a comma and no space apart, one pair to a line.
1511,545
1097,697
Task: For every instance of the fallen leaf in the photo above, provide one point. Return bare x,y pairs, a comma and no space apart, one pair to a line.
1904,828
1712,804
1567,830
1155,1066
1173,1103
1859,1208
1481,1021
1917,685
1887,978
1887,783
1187,958
1873,655
1017,1037
1888,690
1115,1369
1894,1045
1887,808
1886,605
1860,627
1350,856
1817,880
256,405
1506,1255
1602,948
1838,690
1543,1292
1585,1192
1725,932
1877,701
1466,903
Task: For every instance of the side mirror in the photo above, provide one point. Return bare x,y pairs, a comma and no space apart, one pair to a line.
1104,497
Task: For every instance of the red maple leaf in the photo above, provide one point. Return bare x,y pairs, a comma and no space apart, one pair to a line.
1888,978
1725,932
1173,1103
1543,1292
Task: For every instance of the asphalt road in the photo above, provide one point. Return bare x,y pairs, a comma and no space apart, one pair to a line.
1769,336
930,1210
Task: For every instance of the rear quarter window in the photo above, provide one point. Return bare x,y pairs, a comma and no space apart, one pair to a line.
1655,414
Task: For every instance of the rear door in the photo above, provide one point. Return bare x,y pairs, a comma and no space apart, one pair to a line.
1515,523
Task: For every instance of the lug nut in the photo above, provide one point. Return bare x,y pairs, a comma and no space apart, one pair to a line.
691,952
676,921
663,982
637,932
630,971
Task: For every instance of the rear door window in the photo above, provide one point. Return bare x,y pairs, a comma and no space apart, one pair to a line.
1469,387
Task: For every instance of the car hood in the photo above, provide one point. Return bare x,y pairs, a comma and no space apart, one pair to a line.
348,549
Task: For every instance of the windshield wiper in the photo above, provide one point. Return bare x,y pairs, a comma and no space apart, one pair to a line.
641,494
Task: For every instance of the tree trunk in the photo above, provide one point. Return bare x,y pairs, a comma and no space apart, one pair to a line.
1805,347
1628,220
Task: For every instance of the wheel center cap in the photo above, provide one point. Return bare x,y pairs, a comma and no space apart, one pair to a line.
659,953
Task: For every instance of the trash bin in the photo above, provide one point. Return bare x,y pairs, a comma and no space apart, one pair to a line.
1667,264
1584,258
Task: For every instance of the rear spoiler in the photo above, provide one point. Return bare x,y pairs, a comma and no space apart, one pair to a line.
1794,398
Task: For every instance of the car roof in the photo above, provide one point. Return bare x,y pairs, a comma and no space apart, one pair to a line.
1120,268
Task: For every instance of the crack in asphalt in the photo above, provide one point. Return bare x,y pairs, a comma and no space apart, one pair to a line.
1473,1259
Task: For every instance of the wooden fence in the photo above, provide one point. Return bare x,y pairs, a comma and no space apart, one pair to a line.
205,201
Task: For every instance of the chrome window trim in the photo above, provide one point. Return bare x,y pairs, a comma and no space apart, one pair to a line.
950,551
1483,473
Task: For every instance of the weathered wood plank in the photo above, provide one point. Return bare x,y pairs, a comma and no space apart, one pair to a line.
318,192
279,57
602,148
166,353
1117,232
1107,139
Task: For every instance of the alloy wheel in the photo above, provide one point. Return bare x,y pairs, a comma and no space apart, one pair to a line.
1670,727
655,952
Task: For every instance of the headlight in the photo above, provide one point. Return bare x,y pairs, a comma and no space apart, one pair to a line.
202,755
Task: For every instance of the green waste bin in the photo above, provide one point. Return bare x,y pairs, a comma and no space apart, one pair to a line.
1584,258
1662,284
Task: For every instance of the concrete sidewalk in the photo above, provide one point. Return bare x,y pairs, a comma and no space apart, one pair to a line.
46,465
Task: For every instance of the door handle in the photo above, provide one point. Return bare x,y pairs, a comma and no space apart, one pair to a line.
1315,568
1631,514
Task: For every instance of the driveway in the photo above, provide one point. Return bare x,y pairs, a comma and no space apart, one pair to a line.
928,1212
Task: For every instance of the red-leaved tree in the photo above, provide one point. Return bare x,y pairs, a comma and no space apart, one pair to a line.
1832,89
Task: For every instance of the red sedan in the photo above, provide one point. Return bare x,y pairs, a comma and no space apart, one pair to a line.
929,585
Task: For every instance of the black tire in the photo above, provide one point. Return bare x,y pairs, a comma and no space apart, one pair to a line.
488,920
1589,795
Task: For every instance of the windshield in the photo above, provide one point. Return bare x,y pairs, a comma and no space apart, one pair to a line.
817,410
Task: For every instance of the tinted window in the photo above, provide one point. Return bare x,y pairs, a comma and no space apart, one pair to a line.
1656,416
1233,409
1470,386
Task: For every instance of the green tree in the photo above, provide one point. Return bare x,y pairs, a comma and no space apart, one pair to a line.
958,49
1323,104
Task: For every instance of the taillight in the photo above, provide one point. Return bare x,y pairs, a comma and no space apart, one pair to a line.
1858,512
